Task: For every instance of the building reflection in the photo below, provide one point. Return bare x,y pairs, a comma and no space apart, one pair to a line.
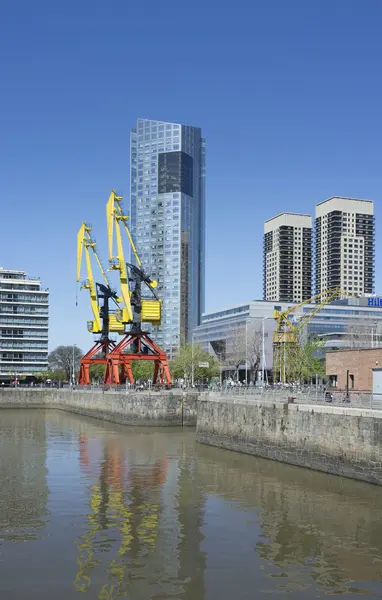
190,514
23,476
329,524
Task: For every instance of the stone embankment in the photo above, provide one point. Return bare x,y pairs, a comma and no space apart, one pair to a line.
339,440
144,409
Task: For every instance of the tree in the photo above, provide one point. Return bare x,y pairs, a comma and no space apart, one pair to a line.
142,369
188,360
97,372
61,359
303,360
244,345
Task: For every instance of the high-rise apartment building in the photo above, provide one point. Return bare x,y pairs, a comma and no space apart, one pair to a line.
23,325
344,243
288,258
168,221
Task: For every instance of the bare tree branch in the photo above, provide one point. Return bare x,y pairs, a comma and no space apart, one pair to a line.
244,346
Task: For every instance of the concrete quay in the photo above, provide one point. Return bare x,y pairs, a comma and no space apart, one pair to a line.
338,440
155,409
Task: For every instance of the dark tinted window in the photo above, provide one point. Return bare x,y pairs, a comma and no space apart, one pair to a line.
175,173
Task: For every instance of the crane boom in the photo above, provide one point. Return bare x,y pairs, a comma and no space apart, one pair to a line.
118,263
84,242
150,309
287,331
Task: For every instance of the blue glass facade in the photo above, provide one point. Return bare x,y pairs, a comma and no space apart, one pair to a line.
167,211
341,324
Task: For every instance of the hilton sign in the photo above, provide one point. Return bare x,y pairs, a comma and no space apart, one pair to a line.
374,302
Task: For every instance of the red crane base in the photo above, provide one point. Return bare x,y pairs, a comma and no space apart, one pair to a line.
118,368
89,359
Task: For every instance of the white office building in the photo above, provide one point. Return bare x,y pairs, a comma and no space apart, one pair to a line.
24,308
288,258
344,243
236,333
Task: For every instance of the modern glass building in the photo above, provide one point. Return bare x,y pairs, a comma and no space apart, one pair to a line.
24,308
347,323
227,333
167,211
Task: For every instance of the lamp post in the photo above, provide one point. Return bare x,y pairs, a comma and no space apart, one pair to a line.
73,369
192,361
246,350
263,348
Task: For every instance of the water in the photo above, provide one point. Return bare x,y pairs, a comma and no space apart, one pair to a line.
93,510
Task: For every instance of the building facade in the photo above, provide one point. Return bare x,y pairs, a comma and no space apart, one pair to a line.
24,309
288,258
358,370
344,246
168,221
346,323
237,332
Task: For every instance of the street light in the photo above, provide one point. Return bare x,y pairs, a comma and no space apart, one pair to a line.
192,360
263,348
73,371
246,350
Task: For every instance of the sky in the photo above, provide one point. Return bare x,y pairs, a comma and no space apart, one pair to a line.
288,95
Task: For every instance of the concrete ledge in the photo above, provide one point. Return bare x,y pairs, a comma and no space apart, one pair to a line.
333,439
144,409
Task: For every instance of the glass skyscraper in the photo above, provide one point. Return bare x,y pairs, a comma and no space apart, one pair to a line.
168,221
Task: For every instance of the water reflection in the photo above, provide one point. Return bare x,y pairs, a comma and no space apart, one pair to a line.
123,522
144,524
316,530
24,490
151,515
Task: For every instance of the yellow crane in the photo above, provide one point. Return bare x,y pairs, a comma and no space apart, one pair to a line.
150,308
133,307
86,244
287,333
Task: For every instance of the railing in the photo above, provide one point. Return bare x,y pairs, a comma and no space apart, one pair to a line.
304,395
319,396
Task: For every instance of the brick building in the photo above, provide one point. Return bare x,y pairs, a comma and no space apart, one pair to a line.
356,370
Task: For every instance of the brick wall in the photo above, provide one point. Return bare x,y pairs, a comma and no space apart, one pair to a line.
360,364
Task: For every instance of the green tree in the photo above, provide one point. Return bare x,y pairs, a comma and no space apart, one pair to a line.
188,359
143,369
57,375
97,372
61,359
304,360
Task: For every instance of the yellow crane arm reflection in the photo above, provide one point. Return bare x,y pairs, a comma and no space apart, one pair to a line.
130,510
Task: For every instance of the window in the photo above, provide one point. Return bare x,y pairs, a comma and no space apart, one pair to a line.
175,173
333,381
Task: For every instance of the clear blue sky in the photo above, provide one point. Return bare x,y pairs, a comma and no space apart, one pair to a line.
288,94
